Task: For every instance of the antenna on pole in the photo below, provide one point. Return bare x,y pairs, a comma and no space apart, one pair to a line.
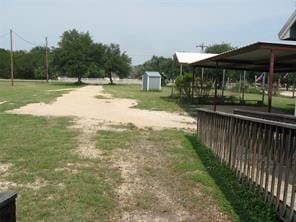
203,47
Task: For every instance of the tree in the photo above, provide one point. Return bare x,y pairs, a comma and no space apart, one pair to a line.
165,66
74,54
219,48
116,62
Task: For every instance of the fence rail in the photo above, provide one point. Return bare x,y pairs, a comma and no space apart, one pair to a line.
261,152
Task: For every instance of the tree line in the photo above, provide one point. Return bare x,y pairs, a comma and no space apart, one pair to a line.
76,55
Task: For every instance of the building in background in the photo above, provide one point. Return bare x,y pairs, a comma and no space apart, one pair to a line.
288,32
151,81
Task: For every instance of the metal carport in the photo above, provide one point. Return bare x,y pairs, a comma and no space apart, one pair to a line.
260,56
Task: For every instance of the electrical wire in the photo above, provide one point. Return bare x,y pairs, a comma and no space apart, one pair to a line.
25,40
4,35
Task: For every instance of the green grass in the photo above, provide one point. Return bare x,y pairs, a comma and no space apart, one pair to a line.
76,189
282,103
185,165
40,154
25,92
151,100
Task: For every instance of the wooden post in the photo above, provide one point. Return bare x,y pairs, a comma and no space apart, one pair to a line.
263,87
181,69
244,85
240,86
223,82
216,86
202,80
270,80
46,59
11,60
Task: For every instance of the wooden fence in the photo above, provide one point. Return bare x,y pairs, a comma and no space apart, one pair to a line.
261,152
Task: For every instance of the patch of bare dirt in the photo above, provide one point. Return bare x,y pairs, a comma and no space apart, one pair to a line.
36,185
82,103
60,90
2,102
150,193
93,114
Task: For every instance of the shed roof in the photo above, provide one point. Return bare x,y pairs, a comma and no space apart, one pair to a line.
254,57
288,32
190,57
153,74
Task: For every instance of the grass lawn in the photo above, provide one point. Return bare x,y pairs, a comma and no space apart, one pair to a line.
282,103
25,92
152,100
55,184
188,170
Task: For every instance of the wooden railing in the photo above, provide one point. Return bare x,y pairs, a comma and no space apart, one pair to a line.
261,152
268,116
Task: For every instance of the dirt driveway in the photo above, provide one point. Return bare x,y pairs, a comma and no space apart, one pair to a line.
150,190
82,103
93,109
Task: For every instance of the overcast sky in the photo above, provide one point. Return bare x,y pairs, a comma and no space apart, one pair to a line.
146,27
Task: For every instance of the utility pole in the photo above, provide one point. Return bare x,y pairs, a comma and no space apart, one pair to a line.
11,60
203,47
46,59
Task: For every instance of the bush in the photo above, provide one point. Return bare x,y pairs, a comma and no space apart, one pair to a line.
183,84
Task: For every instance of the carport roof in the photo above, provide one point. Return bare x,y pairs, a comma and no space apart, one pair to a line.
254,57
190,57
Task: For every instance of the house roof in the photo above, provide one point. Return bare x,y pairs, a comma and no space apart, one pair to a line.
288,32
190,57
255,57
153,74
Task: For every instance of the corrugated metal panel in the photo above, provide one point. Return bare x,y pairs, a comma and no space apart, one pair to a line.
152,74
288,31
190,57
151,81
145,85
154,83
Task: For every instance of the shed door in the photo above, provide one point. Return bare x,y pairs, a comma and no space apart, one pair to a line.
154,83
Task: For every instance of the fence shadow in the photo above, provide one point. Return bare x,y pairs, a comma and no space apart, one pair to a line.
247,204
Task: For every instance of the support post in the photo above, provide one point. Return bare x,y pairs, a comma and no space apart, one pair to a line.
263,87
181,69
270,80
11,60
202,80
46,59
244,85
216,88
240,87
223,82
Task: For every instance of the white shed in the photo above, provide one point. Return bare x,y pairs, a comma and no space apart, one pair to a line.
151,81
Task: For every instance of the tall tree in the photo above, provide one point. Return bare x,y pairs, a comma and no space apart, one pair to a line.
116,62
160,64
74,54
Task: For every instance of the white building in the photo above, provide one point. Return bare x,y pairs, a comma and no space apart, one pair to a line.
151,81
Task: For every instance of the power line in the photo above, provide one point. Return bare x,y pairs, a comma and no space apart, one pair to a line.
4,35
25,40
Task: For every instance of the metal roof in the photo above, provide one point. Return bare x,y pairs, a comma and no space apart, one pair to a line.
153,74
288,32
255,57
190,57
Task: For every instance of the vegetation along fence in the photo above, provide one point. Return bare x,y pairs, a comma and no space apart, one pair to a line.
261,152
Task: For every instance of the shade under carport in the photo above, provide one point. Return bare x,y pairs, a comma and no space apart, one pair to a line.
260,56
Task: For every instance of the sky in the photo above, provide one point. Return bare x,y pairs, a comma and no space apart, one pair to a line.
144,28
